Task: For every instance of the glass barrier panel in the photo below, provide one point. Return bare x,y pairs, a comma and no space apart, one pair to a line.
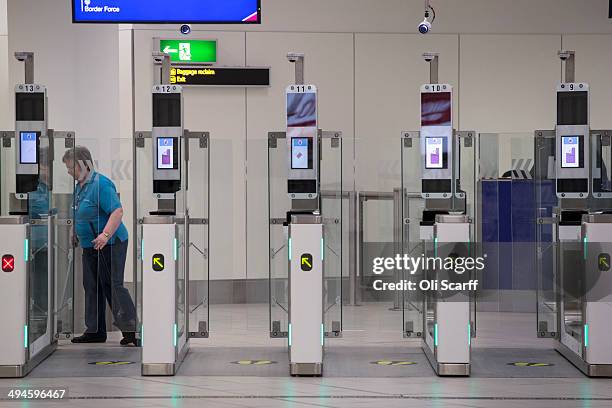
279,204
331,209
412,245
199,204
546,237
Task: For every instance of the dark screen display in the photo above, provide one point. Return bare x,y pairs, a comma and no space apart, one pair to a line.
436,109
572,108
30,106
167,110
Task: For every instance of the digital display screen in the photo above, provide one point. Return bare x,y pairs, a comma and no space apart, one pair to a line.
434,150
436,109
28,147
570,152
572,108
166,153
167,110
30,106
163,11
301,109
301,152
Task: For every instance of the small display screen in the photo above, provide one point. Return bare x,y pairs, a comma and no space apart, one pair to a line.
434,150
301,109
570,152
301,153
436,109
167,153
28,147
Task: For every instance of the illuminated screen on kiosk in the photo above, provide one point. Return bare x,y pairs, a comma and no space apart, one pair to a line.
167,152
28,147
570,152
164,11
434,153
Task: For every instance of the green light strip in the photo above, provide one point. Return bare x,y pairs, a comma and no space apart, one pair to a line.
25,336
435,247
175,334
469,333
289,334
322,334
175,249
322,249
585,247
26,249
436,335
586,335
289,249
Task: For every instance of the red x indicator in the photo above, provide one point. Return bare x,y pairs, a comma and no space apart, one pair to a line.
8,263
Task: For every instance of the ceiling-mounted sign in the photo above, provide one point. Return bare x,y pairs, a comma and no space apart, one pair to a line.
159,11
190,51
220,76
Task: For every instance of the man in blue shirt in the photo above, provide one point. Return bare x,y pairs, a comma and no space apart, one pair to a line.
104,239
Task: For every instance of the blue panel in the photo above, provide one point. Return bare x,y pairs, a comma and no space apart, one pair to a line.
164,11
509,231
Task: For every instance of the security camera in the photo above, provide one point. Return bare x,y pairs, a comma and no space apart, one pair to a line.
564,55
21,56
430,56
294,56
425,26
185,29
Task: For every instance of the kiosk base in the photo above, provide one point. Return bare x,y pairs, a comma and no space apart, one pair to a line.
20,371
306,369
446,369
590,370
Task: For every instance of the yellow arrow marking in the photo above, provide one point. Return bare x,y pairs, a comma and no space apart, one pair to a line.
602,261
305,261
157,262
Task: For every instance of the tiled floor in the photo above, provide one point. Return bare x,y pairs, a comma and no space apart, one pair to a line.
365,326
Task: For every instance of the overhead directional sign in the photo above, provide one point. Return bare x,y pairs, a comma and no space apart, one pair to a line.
158,262
190,51
220,76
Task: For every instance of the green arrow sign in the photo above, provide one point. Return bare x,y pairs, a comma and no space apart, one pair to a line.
198,51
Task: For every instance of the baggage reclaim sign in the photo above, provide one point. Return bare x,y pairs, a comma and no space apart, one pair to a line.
220,76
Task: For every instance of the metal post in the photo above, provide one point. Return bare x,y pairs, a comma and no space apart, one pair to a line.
397,241
432,58
298,60
569,57
159,58
353,253
28,59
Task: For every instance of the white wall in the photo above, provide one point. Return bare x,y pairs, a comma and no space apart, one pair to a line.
364,55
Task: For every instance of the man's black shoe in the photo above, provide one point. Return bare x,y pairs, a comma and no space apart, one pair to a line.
129,338
89,338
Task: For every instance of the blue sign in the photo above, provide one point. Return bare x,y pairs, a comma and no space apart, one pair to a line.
164,11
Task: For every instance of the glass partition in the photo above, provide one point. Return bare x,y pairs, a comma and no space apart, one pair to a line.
546,245
198,203
331,209
412,215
